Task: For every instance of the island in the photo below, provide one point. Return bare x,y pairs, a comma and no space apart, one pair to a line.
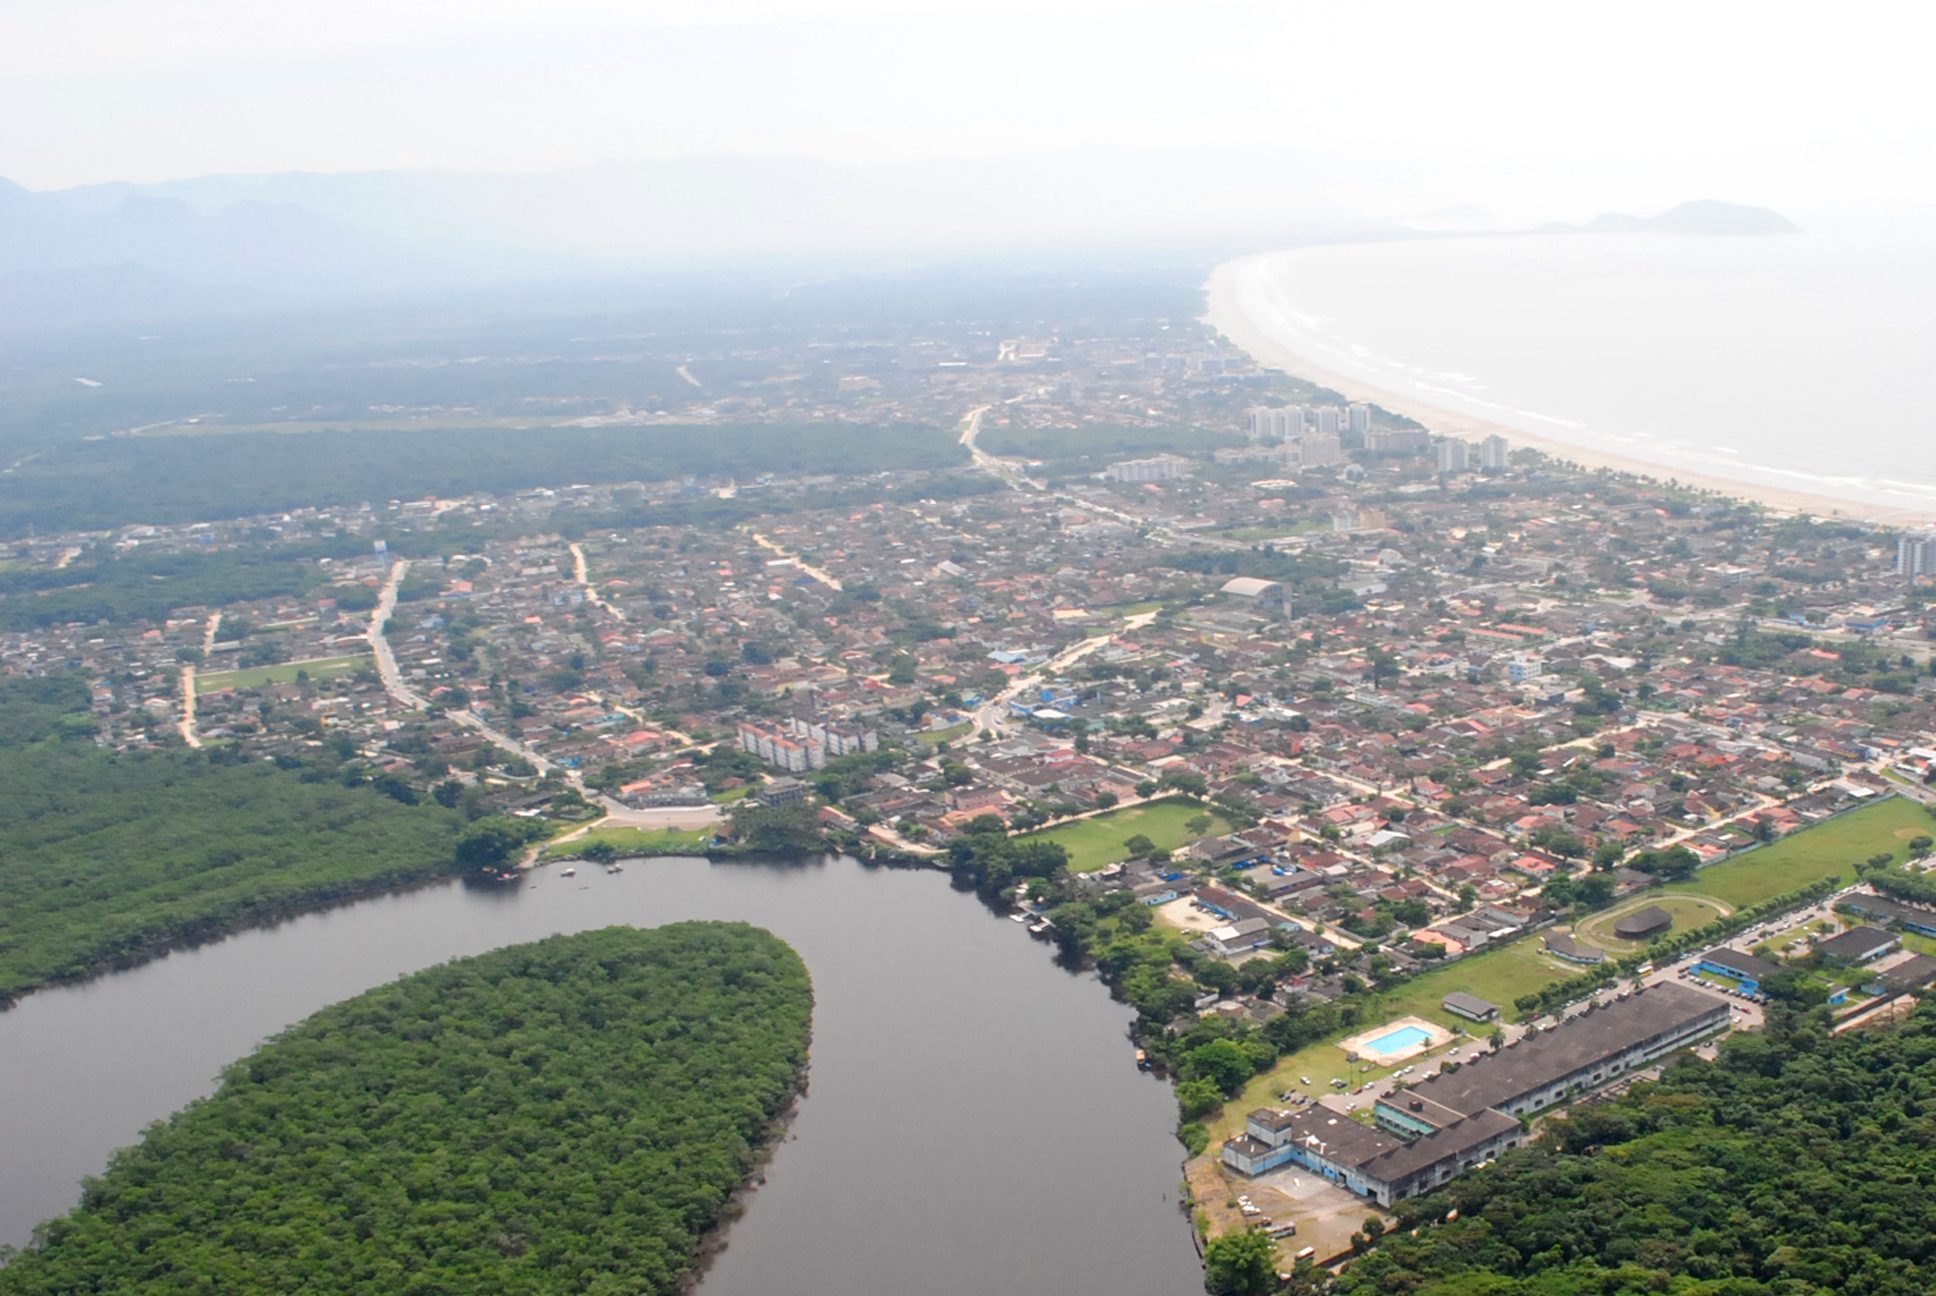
569,1115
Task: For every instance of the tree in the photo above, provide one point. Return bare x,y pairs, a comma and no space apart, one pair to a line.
1199,824
1240,1264
1139,846
600,852
1195,1098
1105,800
488,845
1222,1062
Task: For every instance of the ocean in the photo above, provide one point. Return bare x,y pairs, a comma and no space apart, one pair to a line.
1798,362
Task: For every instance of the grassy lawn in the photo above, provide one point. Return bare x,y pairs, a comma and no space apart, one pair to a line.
1687,910
1832,848
1501,975
730,795
629,840
318,668
1094,843
930,737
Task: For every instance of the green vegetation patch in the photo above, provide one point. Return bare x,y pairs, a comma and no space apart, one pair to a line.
175,479
248,677
566,1116
109,859
1500,975
1099,841
1796,1165
1831,848
635,841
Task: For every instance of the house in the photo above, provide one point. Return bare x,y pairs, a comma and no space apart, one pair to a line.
1470,1006
1857,945
1745,970
1564,946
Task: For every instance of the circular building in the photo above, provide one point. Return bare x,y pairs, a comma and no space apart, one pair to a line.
1643,924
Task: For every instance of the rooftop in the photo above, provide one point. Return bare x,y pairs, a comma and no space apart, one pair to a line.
1506,1075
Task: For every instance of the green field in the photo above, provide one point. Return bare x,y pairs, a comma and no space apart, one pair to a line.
1687,911
1825,849
1500,975
639,841
730,795
317,668
1095,843
930,737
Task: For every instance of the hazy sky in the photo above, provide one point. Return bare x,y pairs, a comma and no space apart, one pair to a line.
1505,103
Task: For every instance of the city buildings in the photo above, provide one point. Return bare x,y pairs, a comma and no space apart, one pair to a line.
1157,468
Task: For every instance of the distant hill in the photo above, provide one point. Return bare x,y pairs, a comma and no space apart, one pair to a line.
1703,216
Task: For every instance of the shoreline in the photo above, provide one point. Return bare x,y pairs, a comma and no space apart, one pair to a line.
1224,312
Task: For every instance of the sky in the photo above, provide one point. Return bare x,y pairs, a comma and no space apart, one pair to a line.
1562,109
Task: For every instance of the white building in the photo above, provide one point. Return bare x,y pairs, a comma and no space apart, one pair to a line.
1916,554
1358,419
1276,422
1159,468
1455,455
1495,455
1524,668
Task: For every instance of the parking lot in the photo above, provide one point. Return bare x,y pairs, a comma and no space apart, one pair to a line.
1325,1214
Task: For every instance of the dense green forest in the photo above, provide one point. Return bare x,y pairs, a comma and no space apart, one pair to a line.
105,483
148,586
108,859
567,1116
1799,1164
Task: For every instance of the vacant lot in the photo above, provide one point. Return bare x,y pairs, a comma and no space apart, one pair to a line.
1094,843
317,668
1826,849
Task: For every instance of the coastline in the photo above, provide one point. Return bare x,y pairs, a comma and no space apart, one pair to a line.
1225,313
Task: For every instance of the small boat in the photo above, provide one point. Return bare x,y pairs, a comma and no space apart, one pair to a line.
1018,917
613,868
570,872
1142,1060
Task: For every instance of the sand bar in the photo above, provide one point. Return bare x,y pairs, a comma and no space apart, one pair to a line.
1228,314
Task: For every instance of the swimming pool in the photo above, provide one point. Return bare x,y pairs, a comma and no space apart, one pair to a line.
1397,1041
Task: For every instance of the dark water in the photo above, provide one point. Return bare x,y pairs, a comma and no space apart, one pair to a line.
973,1125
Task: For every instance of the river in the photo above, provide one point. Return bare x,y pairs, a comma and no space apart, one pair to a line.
973,1121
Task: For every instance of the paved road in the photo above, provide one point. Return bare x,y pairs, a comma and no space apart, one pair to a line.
825,578
404,695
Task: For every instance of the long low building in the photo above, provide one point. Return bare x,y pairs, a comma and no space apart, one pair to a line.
1457,1119
1583,1052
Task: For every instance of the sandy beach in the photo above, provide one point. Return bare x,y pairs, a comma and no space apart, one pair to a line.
1228,315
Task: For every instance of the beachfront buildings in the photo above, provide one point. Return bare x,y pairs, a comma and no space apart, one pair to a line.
1465,1116
1916,554
1454,455
1495,455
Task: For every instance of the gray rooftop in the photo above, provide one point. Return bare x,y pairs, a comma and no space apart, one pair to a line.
1506,1075
1856,944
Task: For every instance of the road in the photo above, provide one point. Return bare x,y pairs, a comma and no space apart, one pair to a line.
989,715
831,581
409,698
581,574
187,725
